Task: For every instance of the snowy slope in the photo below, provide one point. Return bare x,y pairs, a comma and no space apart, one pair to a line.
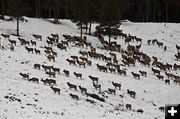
39,101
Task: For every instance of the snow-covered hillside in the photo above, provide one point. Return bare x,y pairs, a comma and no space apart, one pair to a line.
21,99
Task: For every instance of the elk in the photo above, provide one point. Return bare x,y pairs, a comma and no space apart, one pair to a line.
25,76
112,70
84,53
56,36
78,75
116,85
56,70
176,66
37,51
94,79
74,57
66,72
74,96
128,106
37,66
143,73
34,79
89,63
49,42
83,90
167,81
135,75
97,86
5,35
148,41
177,81
155,71
51,57
160,77
29,49
112,91
121,72
13,42
81,63
177,47
49,81
37,36
72,86
131,93
169,75
56,90
47,67
53,74
33,43
71,61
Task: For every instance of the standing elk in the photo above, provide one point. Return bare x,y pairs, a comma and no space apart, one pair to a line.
78,75
135,75
71,61
94,79
66,72
143,73
37,51
25,76
37,66
37,36
56,90
49,81
97,86
34,80
112,91
51,57
13,42
131,93
72,86
53,74
74,96
29,49
83,90
5,35
56,70
116,85
33,43
128,106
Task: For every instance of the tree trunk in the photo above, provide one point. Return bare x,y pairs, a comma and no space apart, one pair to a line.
3,9
17,25
90,23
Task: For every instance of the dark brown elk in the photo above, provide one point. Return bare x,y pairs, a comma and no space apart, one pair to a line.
83,59
177,47
176,66
55,36
112,70
121,72
47,67
81,63
5,35
128,106
89,63
65,42
56,90
149,42
74,57
160,44
29,49
138,40
51,74
34,80
94,79
71,61
51,57
116,85
37,36
143,73
74,96
102,68
131,93
155,71
54,53
160,77
177,56
37,66
33,43
72,86
25,76
165,48
167,81
169,75
13,42
50,43
66,72
154,41
97,86
78,75
56,70
48,48
112,91
49,81
37,51
84,53
83,90
177,81
135,75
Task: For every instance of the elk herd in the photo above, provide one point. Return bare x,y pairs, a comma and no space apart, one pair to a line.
129,58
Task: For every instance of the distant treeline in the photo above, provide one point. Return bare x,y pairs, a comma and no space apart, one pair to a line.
95,10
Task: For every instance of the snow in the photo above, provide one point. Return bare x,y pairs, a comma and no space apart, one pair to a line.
39,101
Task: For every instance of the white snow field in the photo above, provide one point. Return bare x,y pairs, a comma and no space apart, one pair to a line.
21,99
